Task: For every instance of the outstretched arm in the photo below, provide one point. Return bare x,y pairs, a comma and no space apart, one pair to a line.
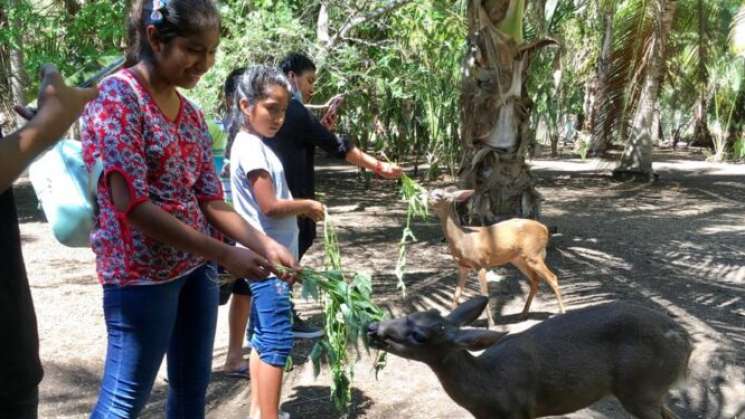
361,159
59,107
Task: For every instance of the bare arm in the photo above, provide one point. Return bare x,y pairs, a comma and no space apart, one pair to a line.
59,107
361,159
271,206
156,223
224,218
18,150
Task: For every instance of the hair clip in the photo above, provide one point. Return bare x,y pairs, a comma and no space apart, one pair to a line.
156,16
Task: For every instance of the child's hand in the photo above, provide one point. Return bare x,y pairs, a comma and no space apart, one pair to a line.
315,211
243,263
280,256
388,170
329,119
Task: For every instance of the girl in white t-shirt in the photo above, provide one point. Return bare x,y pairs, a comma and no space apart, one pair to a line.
261,196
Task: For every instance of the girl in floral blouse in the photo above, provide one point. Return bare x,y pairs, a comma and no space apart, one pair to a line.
159,199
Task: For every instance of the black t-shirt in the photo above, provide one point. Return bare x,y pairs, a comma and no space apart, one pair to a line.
295,145
20,368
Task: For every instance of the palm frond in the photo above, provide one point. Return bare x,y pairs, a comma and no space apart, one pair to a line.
634,29
737,33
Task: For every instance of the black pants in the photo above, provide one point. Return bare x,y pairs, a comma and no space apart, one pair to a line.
20,406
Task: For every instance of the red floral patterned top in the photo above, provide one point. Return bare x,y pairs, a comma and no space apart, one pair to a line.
166,162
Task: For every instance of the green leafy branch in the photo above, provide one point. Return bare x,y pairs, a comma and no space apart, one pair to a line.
415,196
348,310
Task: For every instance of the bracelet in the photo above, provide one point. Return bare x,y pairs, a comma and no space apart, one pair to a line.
378,168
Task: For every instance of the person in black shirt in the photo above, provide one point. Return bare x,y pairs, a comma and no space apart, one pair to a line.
295,145
20,367
296,142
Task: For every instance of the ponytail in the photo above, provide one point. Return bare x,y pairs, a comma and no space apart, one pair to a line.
252,86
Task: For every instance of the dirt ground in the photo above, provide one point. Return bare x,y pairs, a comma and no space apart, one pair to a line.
677,245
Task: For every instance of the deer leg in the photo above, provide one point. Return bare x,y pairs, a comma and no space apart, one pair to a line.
533,280
462,276
539,267
531,294
485,292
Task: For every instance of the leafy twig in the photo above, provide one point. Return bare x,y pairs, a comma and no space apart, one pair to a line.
348,310
415,196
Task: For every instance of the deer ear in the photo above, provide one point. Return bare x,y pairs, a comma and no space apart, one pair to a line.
475,339
468,312
463,195
435,194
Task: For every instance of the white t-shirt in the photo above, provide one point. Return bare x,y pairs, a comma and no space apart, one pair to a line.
249,153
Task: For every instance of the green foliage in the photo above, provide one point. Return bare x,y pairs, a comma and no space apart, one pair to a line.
416,199
555,74
253,33
512,24
402,84
738,149
400,73
348,310
79,44
726,82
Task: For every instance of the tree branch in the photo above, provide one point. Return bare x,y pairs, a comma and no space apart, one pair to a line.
381,10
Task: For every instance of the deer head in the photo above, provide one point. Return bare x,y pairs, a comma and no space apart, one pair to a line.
441,200
428,337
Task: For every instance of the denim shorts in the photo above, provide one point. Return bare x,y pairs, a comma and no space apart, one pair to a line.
270,330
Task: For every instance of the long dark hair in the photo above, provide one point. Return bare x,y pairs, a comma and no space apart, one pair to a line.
171,19
296,62
252,86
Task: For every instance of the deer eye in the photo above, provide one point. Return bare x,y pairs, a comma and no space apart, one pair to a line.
418,337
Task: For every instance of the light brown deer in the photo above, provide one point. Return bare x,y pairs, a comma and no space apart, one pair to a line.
521,242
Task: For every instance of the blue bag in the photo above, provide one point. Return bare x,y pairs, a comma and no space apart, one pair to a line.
66,191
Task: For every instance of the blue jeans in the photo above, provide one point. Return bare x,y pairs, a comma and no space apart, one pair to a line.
144,323
271,325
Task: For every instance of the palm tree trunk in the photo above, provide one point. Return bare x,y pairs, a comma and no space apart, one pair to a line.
601,132
637,156
701,134
495,113
738,117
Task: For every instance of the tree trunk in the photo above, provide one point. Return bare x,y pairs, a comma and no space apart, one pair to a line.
738,117
600,131
636,161
72,7
5,99
495,113
539,16
17,78
701,134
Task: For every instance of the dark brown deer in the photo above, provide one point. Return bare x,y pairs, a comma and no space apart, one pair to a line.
521,242
556,367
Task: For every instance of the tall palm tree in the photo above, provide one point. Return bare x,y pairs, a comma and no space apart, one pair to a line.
598,96
495,111
737,46
637,156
